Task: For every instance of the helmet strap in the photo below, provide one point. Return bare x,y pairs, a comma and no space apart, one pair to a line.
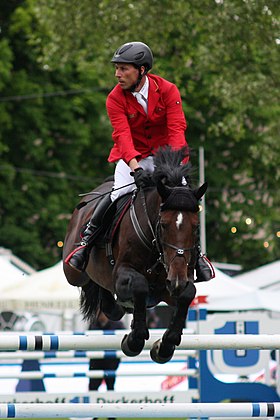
140,77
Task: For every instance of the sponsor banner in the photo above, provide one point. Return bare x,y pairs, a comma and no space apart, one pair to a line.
99,397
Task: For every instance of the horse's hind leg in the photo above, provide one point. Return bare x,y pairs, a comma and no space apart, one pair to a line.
163,350
130,284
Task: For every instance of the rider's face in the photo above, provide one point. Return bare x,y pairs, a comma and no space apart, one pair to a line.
127,75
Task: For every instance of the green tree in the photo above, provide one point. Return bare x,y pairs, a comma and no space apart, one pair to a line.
52,142
224,57
222,54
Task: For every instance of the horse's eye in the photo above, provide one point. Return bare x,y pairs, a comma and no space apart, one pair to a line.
163,225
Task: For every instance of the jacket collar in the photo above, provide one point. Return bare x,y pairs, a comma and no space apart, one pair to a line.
153,98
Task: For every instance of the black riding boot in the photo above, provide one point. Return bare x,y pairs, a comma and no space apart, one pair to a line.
78,259
203,267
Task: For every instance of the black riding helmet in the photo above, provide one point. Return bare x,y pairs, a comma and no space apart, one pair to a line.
136,53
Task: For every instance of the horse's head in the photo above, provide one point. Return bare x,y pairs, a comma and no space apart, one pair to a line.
178,224
178,219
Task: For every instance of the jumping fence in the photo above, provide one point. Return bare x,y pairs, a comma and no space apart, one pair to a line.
201,410
205,353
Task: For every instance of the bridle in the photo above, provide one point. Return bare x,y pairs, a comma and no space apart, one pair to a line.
156,242
180,252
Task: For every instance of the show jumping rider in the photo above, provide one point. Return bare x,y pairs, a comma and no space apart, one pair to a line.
146,113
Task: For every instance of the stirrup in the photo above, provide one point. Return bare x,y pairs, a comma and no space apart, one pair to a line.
82,261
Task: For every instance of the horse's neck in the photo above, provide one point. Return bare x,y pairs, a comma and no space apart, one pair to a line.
148,204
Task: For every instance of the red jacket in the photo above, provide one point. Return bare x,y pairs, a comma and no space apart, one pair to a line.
137,134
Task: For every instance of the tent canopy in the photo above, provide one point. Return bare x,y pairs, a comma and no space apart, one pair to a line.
43,291
225,294
266,277
49,290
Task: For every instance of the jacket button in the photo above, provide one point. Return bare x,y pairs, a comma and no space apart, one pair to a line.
149,137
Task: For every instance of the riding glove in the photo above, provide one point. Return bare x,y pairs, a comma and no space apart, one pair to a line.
142,178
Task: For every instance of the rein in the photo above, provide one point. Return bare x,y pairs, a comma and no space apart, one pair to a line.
149,244
140,233
97,195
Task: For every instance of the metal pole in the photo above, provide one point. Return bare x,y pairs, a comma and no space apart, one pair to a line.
202,212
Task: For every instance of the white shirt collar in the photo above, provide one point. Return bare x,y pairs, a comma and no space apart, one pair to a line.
144,90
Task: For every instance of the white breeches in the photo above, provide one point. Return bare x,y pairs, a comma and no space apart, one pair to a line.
122,176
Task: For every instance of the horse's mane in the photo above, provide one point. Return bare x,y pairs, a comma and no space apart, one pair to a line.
169,168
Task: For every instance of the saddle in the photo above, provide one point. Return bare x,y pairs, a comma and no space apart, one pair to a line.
110,223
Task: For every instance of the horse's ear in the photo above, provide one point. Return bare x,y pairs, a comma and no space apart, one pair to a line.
163,190
201,191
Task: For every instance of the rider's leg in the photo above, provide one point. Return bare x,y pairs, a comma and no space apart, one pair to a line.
203,267
123,178
78,259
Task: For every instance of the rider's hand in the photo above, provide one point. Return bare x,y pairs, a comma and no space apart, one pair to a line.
142,178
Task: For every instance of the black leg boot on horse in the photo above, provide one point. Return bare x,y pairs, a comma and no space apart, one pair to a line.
78,259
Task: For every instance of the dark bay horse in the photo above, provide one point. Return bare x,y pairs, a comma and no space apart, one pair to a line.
154,251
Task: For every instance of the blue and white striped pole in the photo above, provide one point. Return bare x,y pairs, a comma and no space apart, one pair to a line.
113,342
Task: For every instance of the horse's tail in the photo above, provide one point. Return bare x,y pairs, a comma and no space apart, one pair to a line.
90,301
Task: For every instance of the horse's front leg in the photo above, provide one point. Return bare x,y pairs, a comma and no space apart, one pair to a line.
163,350
132,285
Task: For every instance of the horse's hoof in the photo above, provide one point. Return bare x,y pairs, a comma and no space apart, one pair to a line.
127,349
156,357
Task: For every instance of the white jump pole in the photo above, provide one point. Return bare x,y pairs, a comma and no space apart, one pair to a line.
113,342
179,410
72,355
32,374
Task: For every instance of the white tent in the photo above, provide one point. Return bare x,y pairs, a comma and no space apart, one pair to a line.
13,273
12,268
46,290
266,277
223,293
10,274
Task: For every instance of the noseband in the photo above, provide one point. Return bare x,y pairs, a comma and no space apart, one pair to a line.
180,252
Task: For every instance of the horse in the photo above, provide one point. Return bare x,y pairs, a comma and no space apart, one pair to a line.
152,258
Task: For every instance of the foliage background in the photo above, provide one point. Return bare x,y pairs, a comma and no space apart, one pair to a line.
55,136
